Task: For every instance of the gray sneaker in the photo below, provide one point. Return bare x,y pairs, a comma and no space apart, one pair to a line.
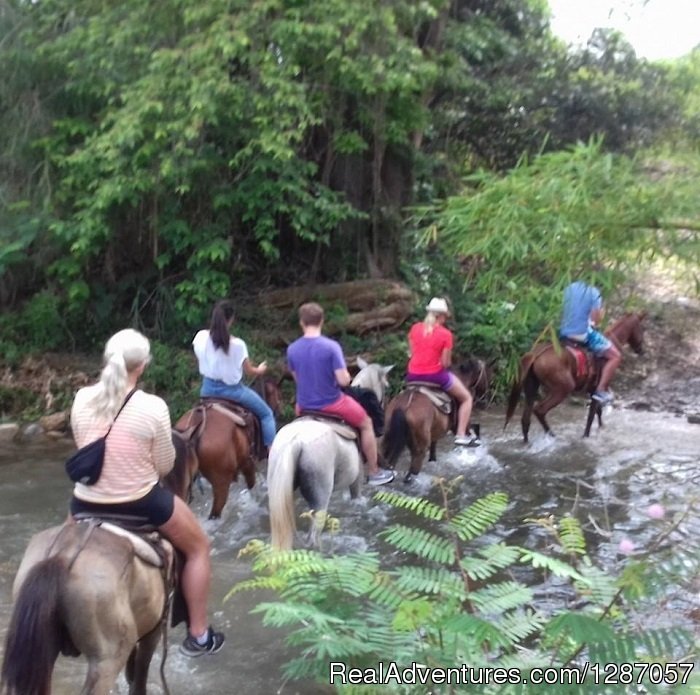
190,646
381,478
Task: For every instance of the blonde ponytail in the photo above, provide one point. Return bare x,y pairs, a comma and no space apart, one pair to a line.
124,352
429,323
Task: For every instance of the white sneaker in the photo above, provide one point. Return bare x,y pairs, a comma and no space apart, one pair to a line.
468,440
603,397
381,478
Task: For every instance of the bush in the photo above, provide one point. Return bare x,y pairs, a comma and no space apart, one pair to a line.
459,595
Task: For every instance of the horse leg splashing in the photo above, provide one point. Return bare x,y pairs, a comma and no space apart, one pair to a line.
310,455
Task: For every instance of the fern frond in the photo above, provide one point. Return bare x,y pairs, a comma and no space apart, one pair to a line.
571,536
581,628
504,596
489,560
418,505
648,646
521,624
428,580
478,517
552,564
386,593
421,543
269,583
481,631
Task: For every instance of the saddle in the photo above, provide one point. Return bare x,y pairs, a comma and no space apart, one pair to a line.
439,398
587,365
149,546
239,415
336,423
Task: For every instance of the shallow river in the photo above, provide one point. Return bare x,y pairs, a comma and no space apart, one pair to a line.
639,458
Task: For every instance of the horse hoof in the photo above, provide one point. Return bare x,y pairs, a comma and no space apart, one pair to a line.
409,478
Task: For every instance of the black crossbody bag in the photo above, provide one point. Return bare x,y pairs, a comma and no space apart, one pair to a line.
85,465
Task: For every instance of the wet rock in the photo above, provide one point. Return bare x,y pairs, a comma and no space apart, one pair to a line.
56,422
31,431
694,418
8,431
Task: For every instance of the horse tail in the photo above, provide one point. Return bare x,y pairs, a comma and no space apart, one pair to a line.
280,486
525,365
396,437
36,632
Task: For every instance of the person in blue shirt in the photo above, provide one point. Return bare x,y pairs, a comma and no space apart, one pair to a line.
583,311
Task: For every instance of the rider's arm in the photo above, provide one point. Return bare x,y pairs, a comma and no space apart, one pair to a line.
251,370
342,376
446,358
597,314
163,449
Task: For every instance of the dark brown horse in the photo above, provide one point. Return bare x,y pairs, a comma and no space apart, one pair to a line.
225,440
83,589
557,370
414,420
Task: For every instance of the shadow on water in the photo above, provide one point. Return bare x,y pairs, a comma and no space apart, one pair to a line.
607,481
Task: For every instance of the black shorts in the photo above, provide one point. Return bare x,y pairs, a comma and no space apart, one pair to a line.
154,508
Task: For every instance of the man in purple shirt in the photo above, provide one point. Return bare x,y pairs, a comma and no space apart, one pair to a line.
318,366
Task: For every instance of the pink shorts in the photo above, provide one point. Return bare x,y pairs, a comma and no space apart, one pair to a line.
347,408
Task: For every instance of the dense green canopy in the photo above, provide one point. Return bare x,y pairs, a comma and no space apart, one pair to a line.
155,157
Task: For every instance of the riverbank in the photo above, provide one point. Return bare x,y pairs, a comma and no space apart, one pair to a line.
35,397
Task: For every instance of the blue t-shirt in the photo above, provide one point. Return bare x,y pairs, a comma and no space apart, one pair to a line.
314,361
579,300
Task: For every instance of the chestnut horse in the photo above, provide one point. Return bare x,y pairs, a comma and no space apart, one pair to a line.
414,420
556,369
82,589
224,442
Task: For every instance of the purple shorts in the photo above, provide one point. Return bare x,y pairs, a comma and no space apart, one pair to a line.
444,378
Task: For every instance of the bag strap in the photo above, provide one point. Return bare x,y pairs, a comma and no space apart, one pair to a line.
126,400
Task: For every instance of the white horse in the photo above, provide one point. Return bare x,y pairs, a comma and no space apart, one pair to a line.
311,455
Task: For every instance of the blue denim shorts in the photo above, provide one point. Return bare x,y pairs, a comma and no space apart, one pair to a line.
596,342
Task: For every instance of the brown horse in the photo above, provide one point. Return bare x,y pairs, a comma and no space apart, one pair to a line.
556,369
83,589
415,420
225,440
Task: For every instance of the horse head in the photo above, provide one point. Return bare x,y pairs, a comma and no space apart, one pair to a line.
629,329
475,374
373,377
179,480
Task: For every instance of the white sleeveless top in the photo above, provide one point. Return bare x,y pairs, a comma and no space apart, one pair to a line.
214,363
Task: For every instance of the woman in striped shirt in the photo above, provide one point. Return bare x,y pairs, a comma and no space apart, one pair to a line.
139,451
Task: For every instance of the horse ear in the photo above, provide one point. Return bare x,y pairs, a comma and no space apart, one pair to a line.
386,370
361,363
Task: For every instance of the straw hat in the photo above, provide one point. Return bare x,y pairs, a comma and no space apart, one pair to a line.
438,306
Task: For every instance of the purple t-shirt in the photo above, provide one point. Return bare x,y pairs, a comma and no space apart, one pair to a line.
314,361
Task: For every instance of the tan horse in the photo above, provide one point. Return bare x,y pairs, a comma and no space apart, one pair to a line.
414,420
224,438
81,589
560,375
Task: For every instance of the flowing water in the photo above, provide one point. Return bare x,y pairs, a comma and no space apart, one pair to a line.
608,481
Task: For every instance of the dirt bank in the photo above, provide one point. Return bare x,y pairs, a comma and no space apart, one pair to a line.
665,378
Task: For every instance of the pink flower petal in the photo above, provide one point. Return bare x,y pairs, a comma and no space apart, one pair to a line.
626,546
656,511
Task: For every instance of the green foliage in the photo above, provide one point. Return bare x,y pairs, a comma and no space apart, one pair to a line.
465,601
172,375
579,213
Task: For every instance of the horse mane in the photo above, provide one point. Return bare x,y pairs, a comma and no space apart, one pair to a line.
367,398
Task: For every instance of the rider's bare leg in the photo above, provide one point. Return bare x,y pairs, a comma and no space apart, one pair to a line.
612,362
